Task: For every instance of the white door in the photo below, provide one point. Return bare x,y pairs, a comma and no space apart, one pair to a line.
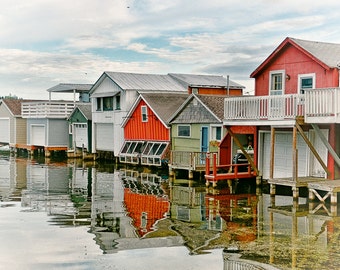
104,137
316,168
283,155
4,127
80,135
38,135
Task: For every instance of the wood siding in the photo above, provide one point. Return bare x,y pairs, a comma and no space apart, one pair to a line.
153,129
217,91
293,62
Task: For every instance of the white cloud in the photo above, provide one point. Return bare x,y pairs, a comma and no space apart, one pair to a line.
45,42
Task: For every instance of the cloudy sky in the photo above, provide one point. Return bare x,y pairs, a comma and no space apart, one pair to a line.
46,42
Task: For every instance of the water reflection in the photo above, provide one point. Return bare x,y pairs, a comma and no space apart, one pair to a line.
133,209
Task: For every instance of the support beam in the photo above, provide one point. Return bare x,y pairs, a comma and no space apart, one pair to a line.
326,143
311,147
272,146
243,151
295,156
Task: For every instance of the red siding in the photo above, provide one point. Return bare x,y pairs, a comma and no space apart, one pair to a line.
217,91
153,129
294,62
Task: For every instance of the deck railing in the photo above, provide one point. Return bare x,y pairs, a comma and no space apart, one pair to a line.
188,160
322,105
48,109
264,107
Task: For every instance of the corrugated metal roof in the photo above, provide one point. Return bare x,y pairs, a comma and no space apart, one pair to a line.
329,53
164,104
70,87
204,80
145,82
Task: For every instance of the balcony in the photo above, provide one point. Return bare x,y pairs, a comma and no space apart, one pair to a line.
47,109
316,106
265,108
322,105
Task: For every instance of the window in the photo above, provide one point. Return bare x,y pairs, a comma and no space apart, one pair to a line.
276,83
108,104
99,104
306,81
144,114
118,102
183,131
216,133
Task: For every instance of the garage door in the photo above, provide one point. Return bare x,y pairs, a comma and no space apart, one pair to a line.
38,135
283,163
104,137
4,127
80,135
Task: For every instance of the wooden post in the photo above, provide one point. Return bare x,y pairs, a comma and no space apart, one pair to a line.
272,152
295,157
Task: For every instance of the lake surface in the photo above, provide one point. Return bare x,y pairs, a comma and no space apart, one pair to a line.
75,215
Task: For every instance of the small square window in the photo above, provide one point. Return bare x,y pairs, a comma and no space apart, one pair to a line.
184,131
108,104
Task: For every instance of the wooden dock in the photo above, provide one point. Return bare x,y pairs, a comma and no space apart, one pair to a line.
227,172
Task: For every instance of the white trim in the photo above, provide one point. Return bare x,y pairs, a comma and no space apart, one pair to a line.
212,137
302,76
283,73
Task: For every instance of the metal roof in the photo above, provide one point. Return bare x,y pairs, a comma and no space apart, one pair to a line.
145,82
86,110
70,88
204,80
329,53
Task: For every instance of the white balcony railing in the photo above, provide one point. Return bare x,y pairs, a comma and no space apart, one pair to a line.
47,109
280,107
322,105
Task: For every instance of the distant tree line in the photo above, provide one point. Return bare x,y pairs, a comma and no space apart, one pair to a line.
10,96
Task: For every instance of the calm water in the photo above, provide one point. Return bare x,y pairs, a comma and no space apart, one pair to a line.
67,215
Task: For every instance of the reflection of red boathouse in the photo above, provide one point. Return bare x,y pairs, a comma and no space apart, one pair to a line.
238,211
145,210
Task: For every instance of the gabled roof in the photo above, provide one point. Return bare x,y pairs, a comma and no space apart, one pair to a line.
14,105
213,103
70,88
142,82
193,80
85,109
163,104
326,54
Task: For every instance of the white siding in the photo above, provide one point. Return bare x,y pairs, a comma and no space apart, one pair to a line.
316,168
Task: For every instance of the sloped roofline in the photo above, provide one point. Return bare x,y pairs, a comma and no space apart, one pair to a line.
287,41
135,105
186,102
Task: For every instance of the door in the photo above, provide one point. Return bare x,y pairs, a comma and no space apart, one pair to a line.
283,155
276,102
104,137
204,144
204,139
80,135
38,135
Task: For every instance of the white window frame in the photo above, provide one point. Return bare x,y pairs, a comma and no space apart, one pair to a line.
305,76
271,74
144,113
213,132
182,135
